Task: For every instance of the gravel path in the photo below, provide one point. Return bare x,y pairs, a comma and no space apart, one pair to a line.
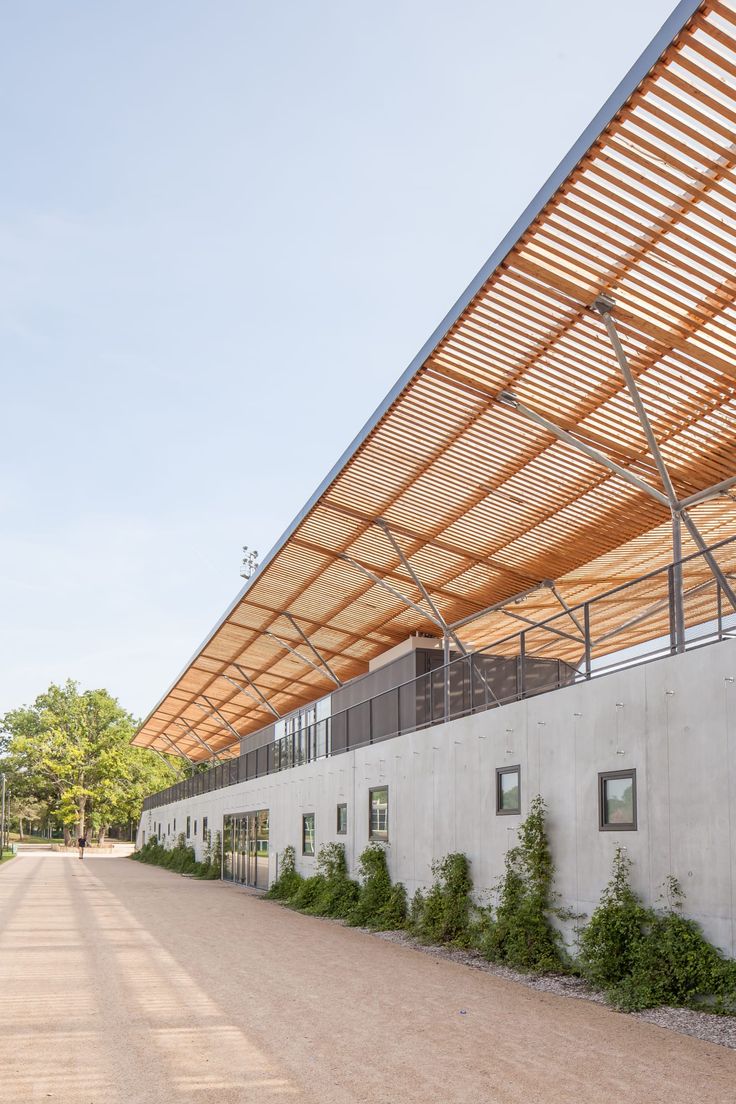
125,983
701,1025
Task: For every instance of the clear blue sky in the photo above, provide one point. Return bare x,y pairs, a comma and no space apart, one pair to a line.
225,229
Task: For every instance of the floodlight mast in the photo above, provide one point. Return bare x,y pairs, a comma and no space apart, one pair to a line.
249,566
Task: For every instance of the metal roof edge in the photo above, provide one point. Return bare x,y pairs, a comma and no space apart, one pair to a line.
664,37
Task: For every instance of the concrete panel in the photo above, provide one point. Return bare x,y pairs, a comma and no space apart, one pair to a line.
673,721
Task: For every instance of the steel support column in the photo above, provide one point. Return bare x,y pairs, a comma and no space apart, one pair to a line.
177,750
507,398
255,694
313,650
257,690
678,602
447,629
605,306
709,492
709,557
288,647
193,732
223,720
392,590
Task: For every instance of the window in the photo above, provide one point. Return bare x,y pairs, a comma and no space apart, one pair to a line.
508,790
378,819
205,837
308,834
617,801
195,827
342,820
189,827
174,823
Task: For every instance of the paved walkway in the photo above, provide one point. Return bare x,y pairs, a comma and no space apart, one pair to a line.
124,984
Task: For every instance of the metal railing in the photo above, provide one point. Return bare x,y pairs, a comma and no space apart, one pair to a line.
577,644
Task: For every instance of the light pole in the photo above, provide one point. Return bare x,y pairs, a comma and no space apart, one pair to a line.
2,821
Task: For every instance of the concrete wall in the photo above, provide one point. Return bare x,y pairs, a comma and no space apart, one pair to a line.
674,720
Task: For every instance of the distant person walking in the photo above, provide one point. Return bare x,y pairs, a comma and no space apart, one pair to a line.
81,844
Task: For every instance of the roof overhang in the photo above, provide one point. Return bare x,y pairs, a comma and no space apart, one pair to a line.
453,498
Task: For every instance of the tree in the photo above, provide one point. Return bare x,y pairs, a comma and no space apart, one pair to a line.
71,750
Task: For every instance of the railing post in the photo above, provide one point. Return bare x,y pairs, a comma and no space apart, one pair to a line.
471,666
719,609
586,628
446,692
671,606
679,613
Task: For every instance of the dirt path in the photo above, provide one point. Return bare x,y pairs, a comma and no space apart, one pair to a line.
123,983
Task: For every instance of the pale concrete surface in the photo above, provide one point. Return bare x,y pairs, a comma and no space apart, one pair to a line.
124,983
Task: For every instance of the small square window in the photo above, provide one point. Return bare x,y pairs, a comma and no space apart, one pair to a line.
342,820
378,816
508,790
617,801
308,834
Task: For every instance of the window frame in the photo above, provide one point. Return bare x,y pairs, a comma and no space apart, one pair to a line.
627,826
500,772
378,836
338,830
309,854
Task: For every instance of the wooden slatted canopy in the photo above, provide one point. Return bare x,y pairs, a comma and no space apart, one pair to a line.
483,503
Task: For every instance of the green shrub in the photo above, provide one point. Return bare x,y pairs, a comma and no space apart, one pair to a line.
609,944
664,957
211,869
180,858
329,892
336,893
288,881
443,914
521,933
380,905
306,894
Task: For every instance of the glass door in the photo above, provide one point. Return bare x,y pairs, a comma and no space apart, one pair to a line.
245,842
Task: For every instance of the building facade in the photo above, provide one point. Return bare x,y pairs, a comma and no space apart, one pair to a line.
650,748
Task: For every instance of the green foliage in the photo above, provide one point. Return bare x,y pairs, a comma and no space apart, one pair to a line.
664,957
379,905
180,858
70,753
610,941
336,892
330,892
288,881
375,903
212,857
443,914
521,933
